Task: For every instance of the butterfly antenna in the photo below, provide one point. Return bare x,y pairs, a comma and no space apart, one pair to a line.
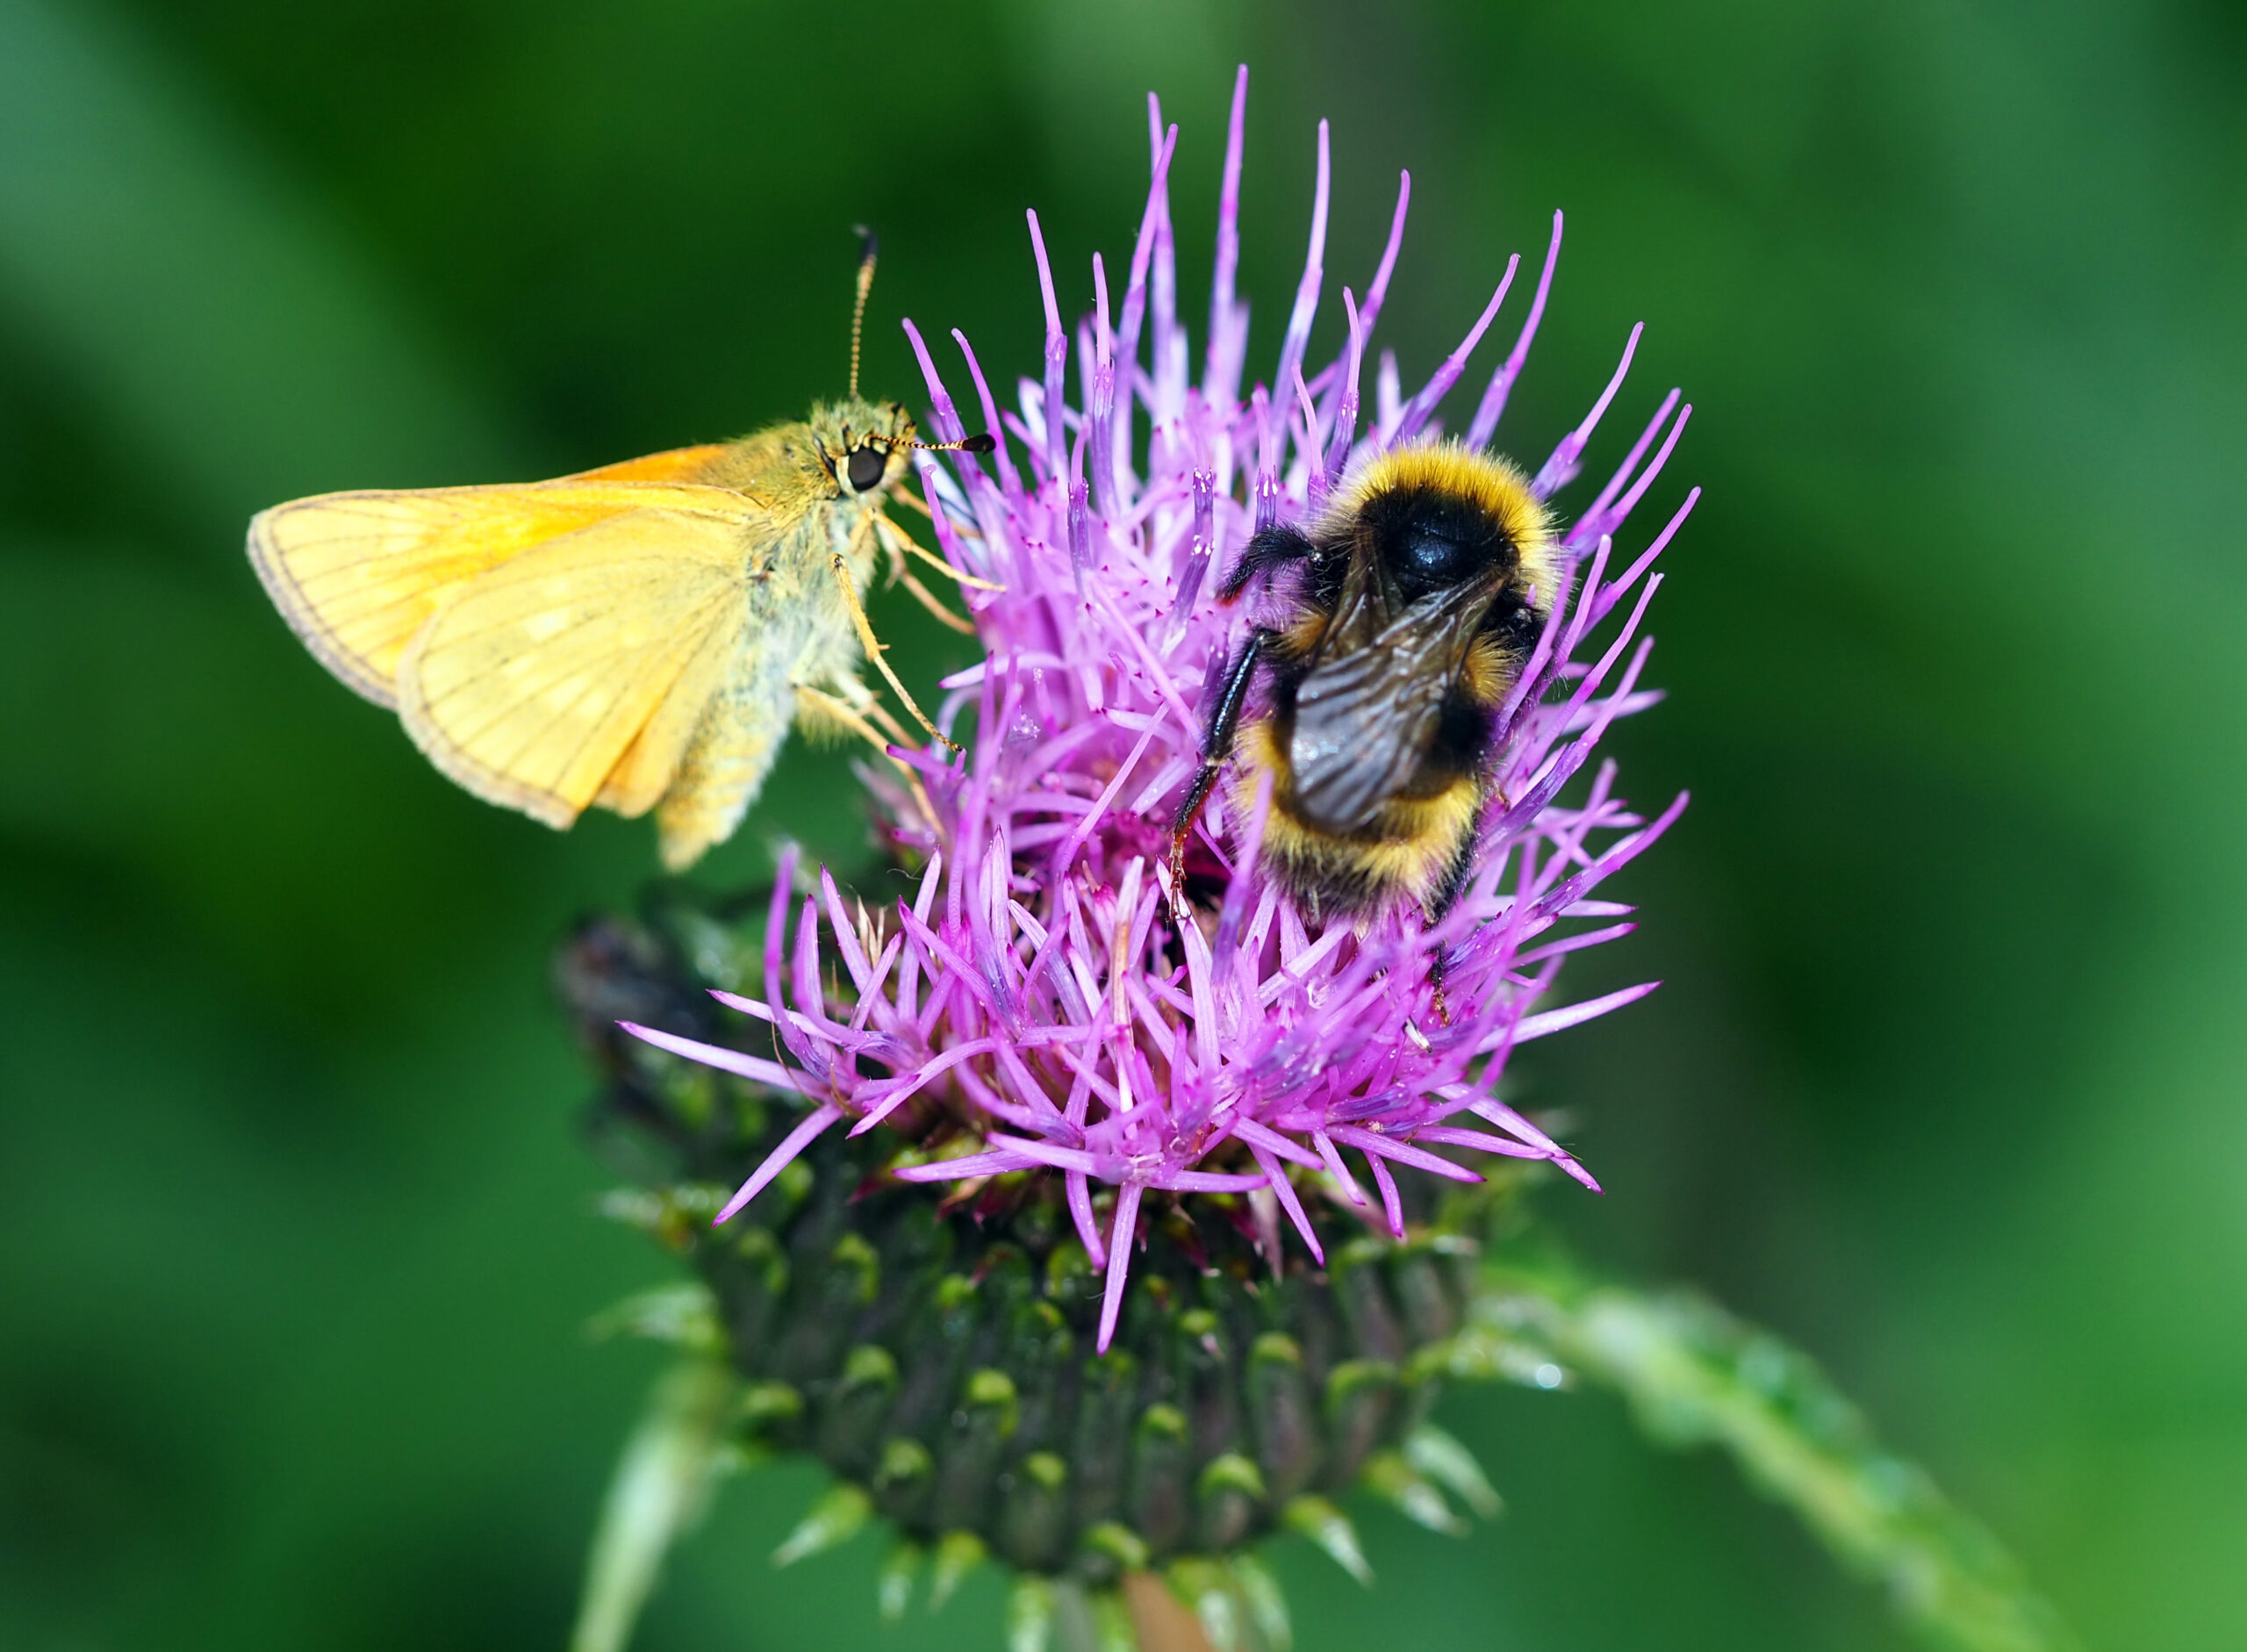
868,245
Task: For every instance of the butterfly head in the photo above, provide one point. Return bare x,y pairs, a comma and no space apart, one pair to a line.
865,445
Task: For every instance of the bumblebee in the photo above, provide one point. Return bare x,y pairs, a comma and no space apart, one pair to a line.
1411,604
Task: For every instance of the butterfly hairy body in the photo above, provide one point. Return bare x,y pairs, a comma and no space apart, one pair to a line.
635,637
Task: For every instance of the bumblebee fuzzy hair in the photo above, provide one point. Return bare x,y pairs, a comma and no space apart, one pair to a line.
1495,486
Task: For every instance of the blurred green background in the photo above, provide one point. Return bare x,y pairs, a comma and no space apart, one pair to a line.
296,1239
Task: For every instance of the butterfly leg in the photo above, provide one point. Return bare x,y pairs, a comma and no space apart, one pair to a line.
820,713
855,696
892,541
912,547
816,705
875,651
869,527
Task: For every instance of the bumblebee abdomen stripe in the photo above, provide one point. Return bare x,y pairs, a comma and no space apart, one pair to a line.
1406,852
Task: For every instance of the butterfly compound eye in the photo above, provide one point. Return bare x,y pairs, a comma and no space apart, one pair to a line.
866,466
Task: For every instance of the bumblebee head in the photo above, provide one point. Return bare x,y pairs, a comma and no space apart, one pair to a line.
1437,516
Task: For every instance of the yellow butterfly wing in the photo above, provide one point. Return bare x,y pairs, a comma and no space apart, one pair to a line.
577,670
674,465
357,575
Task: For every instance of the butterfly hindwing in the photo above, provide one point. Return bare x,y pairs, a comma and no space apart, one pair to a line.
577,670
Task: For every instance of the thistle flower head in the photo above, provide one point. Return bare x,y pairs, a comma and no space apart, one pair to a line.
1113,1068
1047,1001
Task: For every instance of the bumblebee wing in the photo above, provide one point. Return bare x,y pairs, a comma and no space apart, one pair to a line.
1359,612
577,672
1365,716
356,575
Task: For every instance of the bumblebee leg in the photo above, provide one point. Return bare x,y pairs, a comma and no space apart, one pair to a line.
1274,547
1217,745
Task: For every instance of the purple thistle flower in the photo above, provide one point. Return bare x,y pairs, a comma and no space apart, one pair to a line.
1045,992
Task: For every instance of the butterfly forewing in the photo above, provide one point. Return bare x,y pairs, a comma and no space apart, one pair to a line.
544,673
356,575
674,465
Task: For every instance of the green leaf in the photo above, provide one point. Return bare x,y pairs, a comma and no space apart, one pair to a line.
1389,1476
1030,1614
1443,1459
893,1584
1268,1606
1692,1374
661,1483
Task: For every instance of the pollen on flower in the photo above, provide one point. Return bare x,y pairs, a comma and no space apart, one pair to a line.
1045,998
